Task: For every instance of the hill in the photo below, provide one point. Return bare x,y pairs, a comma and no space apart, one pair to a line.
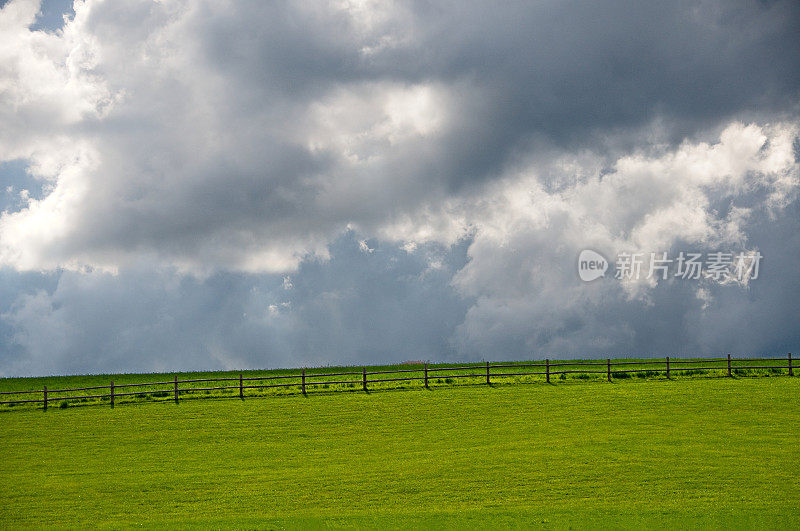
702,452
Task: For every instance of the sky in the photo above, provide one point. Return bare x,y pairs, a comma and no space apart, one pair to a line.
210,185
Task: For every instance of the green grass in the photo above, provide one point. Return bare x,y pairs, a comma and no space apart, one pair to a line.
699,452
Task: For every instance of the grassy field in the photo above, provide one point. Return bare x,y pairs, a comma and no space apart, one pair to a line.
705,452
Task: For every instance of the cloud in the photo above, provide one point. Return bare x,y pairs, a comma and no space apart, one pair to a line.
354,308
245,137
701,197
145,146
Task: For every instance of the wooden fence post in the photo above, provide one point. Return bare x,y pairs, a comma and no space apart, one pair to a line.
112,393
729,366
45,398
241,387
608,368
667,367
426,375
547,369
176,388
303,384
790,365
364,373
487,374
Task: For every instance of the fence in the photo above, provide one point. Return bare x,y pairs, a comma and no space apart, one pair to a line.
482,373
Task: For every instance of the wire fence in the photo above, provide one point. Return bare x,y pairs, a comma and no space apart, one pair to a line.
487,373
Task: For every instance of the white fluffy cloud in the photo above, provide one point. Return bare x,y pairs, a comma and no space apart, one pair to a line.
643,203
699,197
155,145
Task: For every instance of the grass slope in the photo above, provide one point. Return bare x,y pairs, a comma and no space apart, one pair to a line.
705,452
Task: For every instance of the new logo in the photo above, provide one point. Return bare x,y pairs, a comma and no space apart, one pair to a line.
591,265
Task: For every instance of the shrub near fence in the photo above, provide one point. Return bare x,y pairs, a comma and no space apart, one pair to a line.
485,373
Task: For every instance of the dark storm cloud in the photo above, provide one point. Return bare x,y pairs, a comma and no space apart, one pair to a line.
573,321
230,136
365,305
183,158
574,73
569,73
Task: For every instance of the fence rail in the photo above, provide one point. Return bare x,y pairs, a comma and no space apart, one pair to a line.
304,380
